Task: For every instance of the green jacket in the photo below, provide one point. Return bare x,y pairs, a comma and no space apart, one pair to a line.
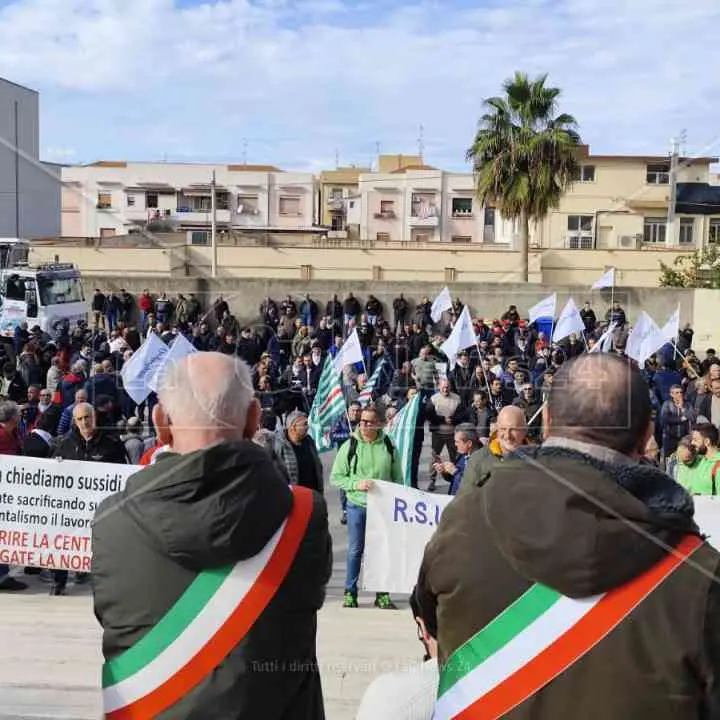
697,479
372,461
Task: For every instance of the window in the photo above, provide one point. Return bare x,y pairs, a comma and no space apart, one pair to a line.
658,174
352,204
15,288
337,221
461,238
490,217
104,200
580,223
654,230
686,231
585,173
462,207
199,237
387,208
382,237
60,290
336,194
247,205
131,201
423,205
714,236
151,200
290,206
222,200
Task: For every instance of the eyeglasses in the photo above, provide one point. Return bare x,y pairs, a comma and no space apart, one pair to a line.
367,422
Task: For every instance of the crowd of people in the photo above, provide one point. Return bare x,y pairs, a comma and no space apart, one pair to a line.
503,417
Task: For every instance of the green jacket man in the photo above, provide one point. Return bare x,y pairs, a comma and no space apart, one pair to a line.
368,455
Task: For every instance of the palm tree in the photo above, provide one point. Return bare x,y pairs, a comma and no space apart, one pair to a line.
523,156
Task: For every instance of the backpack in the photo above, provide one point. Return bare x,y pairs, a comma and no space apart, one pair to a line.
352,452
713,475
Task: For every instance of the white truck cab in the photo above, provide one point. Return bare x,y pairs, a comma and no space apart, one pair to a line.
46,295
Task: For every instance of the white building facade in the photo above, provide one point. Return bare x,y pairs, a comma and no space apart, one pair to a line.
29,188
115,198
428,206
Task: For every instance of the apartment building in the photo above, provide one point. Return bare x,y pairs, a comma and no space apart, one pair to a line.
338,194
428,205
115,198
616,202
622,202
29,188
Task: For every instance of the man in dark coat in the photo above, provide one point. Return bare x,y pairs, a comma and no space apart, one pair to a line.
215,500
571,520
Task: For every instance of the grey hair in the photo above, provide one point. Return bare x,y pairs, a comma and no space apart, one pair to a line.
8,411
220,400
469,432
79,366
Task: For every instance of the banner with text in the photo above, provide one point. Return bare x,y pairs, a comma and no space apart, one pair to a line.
707,517
47,507
400,522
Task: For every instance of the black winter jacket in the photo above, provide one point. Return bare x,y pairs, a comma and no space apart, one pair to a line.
208,509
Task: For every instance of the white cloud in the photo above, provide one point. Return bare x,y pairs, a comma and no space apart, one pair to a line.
148,78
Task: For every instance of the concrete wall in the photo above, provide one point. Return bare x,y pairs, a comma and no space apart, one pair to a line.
35,193
485,299
427,263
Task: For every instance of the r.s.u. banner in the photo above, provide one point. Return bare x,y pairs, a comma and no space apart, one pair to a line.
47,508
400,522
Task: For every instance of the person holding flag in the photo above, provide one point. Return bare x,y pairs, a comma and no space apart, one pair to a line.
368,456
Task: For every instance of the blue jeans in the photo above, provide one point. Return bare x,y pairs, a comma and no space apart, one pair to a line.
343,500
356,517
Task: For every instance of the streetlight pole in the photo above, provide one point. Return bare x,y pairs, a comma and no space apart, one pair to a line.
213,225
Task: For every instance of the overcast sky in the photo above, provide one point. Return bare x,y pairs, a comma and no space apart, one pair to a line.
187,80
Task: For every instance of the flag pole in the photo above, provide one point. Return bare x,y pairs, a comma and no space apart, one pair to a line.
480,359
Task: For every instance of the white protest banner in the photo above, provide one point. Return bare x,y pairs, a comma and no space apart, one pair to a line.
707,517
400,522
47,507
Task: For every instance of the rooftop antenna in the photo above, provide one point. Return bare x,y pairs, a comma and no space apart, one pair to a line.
337,158
421,141
244,151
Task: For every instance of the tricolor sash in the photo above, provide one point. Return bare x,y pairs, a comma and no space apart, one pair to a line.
535,639
211,617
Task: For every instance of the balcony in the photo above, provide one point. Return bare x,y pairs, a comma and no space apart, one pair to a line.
429,221
336,205
201,216
460,214
385,215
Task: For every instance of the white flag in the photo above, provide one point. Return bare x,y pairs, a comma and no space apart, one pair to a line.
180,348
139,370
462,336
604,343
441,303
644,339
569,322
607,280
544,309
350,352
671,328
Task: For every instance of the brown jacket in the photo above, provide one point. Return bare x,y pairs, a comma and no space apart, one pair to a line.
554,519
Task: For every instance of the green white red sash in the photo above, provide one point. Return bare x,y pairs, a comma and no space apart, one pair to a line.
534,640
202,628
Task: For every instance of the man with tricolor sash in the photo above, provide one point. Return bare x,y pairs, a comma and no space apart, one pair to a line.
208,569
574,583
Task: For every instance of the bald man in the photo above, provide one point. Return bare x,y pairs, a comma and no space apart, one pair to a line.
510,434
572,564
212,523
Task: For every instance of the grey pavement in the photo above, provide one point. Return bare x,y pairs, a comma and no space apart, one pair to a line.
50,656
